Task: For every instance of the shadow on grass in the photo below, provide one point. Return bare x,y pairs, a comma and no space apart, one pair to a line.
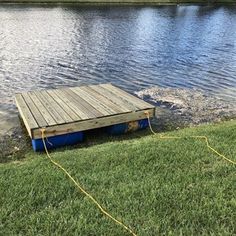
16,143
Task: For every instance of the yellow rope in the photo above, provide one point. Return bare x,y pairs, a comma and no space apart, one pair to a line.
82,189
194,136
94,200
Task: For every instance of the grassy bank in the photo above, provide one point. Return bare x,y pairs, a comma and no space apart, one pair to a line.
156,186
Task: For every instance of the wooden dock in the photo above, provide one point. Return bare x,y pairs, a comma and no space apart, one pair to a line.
69,110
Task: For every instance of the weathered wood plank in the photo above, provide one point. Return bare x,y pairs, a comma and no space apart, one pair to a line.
93,123
46,115
92,101
57,107
71,104
114,98
119,95
47,104
89,101
26,114
103,100
137,102
88,111
64,104
35,111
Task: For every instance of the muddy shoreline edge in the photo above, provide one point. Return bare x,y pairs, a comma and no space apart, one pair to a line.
175,108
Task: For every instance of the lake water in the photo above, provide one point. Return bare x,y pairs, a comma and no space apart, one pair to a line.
132,47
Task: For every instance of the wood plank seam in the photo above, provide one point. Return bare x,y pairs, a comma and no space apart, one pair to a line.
70,102
63,112
93,102
66,107
115,93
115,99
28,122
48,107
68,110
85,107
47,116
93,123
107,101
35,111
137,102
103,101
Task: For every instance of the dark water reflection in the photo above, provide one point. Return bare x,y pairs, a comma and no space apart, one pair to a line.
132,47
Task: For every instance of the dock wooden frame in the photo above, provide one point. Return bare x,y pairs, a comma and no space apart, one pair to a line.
69,110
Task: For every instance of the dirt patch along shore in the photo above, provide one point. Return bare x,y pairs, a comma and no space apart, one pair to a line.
188,106
176,108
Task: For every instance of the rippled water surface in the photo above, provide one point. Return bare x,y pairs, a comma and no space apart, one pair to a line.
132,47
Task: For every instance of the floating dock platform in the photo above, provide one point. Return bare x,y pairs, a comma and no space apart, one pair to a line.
65,113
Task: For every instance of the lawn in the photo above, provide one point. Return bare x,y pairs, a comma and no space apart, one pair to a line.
156,187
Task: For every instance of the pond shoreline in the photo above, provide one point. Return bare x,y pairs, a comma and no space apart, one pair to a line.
175,109
187,107
15,144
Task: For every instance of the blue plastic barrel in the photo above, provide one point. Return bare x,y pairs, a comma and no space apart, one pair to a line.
127,127
58,141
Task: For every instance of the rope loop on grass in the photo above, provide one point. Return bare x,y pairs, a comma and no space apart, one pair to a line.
82,189
94,200
194,136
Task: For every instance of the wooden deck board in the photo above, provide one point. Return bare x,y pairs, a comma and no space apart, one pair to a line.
103,100
93,102
94,123
138,103
46,115
26,114
88,111
57,107
69,110
66,107
112,97
71,104
47,104
35,111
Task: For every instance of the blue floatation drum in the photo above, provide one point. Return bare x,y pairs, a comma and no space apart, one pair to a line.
58,141
128,127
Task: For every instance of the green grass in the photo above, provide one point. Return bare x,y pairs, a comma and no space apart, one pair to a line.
157,187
